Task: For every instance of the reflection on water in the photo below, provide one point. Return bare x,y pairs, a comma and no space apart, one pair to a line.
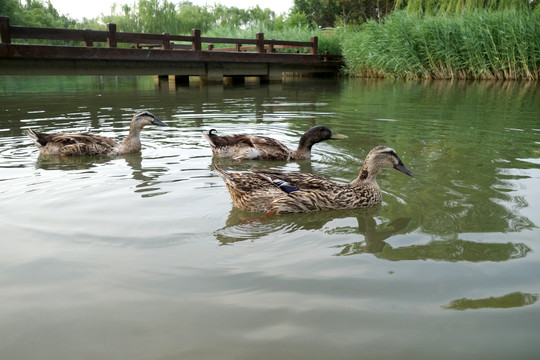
56,162
148,183
457,250
242,225
516,299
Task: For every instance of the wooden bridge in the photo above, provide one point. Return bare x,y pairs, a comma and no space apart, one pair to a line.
110,52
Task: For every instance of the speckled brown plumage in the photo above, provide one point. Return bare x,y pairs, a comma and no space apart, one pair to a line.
261,147
77,144
276,192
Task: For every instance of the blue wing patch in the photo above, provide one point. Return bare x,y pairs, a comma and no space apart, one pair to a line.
285,186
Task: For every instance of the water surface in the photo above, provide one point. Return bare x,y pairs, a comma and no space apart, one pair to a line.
144,257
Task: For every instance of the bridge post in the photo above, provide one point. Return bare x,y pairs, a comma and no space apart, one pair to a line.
166,42
260,42
5,36
196,44
315,46
111,36
87,39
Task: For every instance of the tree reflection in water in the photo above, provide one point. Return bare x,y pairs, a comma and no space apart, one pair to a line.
515,299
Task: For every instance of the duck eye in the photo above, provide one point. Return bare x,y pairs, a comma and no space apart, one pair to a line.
390,152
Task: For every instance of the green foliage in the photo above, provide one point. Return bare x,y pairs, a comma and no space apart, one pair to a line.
328,39
320,12
325,13
475,45
453,7
34,13
158,16
297,19
12,9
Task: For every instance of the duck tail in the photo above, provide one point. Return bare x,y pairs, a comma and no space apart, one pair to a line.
35,136
211,137
223,174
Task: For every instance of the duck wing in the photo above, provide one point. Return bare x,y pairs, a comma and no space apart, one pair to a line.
304,192
303,181
85,144
68,144
269,148
252,147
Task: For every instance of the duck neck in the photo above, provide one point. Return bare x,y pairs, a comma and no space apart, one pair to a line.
368,175
301,153
304,149
132,143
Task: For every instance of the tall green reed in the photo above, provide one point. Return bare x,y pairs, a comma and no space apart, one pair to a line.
474,45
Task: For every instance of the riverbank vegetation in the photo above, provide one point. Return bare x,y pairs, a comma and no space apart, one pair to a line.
474,45
412,39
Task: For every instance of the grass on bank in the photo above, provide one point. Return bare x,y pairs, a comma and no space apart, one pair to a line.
474,45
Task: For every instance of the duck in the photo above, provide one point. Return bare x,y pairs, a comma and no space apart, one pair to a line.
78,144
273,192
253,147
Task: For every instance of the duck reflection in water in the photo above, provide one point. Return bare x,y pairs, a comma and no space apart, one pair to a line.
242,225
147,177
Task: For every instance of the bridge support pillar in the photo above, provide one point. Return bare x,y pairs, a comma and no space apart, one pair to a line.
214,74
275,74
160,80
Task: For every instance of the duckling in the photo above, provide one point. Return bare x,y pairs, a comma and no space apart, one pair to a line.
251,147
73,144
278,193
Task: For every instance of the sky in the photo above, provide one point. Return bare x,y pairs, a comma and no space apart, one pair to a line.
94,8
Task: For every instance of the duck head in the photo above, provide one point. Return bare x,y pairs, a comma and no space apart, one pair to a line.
382,157
317,134
143,118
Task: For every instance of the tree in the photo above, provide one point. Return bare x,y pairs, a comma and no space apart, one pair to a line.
34,13
231,16
321,13
325,13
434,7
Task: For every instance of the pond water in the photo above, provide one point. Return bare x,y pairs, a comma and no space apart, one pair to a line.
144,257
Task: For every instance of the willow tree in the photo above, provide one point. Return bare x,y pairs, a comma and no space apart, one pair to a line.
448,7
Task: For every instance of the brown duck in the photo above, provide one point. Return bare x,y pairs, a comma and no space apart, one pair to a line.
251,147
278,193
76,144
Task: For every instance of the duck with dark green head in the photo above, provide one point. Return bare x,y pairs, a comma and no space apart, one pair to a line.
252,147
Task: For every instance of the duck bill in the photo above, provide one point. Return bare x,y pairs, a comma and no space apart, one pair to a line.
336,136
403,169
156,121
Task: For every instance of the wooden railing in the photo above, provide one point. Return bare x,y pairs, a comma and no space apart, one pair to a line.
112,38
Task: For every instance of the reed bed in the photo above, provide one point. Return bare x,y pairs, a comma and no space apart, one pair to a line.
473,45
